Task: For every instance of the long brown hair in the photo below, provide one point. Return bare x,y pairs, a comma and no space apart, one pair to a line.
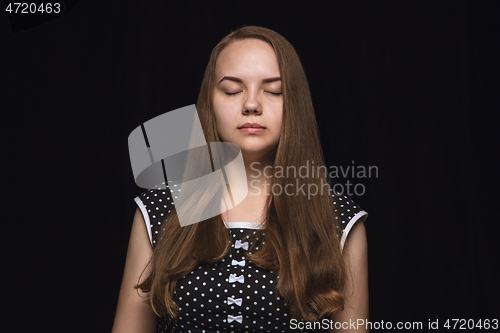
301,243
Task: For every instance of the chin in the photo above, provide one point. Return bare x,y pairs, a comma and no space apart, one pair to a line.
254,147
255,151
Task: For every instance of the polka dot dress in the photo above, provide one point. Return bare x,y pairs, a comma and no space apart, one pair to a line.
232,295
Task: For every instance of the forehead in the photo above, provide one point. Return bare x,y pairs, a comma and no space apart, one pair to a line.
248,57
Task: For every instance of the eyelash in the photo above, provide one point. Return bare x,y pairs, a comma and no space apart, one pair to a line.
231,94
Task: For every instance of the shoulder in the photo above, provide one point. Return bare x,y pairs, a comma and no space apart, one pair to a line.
155,206
347,214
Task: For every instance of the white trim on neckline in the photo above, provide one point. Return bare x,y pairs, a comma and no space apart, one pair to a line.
244,225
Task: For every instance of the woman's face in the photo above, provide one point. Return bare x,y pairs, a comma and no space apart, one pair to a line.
248,101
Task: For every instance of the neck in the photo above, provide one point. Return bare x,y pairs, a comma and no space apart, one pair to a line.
258,171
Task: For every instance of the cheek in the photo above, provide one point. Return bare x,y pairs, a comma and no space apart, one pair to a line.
278,119
218,112
279,124
222,122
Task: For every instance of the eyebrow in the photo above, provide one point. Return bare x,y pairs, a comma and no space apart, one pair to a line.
238,80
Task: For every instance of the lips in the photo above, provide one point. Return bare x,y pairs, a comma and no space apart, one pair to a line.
251,125
252,128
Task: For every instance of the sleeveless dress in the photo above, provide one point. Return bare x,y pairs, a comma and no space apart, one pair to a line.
232,295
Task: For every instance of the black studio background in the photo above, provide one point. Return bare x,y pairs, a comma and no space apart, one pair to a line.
407,86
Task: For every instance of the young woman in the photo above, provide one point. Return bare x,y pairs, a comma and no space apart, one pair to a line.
281,259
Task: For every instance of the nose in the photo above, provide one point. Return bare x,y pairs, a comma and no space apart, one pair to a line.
252,105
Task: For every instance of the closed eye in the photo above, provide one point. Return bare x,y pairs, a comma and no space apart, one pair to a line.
274,93
230,94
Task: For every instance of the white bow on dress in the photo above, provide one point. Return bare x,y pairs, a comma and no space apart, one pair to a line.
234,278
239,244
